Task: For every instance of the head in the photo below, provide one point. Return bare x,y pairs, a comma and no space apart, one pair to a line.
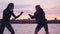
10,6
37,7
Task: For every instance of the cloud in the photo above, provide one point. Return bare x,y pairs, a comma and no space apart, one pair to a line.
54,10
22,6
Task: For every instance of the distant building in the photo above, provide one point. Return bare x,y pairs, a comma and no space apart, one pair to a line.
55,18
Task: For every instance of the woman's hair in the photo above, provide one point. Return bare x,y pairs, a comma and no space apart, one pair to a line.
10,4
38,6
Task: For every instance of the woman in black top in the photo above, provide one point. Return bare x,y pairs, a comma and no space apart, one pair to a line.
6,18
39,15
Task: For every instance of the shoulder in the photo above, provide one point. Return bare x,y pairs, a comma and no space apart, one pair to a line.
5,10
41,9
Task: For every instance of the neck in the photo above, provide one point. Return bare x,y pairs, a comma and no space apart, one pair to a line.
10,9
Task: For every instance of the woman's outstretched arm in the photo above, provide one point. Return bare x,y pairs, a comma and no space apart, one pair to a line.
16,16
31,16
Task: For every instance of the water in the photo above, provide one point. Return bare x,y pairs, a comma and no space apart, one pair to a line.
29,29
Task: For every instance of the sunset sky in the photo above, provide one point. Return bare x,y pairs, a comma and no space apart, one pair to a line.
51,7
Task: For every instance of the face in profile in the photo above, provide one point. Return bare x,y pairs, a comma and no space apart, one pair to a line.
11,7
37,7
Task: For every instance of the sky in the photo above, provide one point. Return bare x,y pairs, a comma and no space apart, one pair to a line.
50,7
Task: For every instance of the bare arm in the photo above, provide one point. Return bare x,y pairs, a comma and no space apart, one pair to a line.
31,16
17,16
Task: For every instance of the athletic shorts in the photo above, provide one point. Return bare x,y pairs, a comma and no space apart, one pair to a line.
42,24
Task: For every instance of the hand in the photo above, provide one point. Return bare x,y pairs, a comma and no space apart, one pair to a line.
29,15
21,13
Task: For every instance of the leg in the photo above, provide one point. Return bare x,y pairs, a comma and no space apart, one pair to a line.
46,28
37,29
10,28
36,32
2,28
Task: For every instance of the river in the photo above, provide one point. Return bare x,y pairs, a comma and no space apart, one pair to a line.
29,29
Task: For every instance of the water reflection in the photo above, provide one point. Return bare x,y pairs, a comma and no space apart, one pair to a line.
29,29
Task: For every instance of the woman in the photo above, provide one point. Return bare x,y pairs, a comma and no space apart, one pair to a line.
39,15
6,18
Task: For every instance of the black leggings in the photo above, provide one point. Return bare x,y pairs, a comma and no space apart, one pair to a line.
42,24
9,27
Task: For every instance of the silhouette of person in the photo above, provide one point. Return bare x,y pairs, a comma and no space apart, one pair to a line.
39,15
6,18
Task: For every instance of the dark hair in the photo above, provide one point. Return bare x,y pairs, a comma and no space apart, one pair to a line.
10,4
37,6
